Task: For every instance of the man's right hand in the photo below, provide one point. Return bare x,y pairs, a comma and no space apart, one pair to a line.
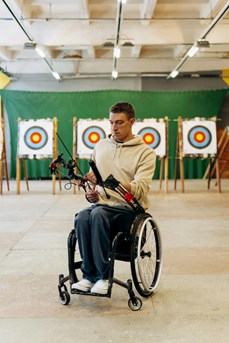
92,195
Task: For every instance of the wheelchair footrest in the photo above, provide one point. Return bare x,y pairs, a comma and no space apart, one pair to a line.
107,295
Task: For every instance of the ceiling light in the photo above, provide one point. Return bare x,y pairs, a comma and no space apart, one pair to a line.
128,44
174,74
108,44
203,43
195,75
30,45
56,75
193,51
114,74
40,51
117,52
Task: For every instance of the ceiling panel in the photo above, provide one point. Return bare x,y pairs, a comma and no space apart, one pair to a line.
78,37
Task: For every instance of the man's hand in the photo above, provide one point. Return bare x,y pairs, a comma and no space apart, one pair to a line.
92,195
91,178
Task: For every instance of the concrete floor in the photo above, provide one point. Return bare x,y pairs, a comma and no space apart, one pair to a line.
192,302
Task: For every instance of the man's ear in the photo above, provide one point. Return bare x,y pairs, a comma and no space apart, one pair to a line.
132,121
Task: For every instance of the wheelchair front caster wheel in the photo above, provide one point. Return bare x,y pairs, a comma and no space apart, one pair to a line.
64,298
135,304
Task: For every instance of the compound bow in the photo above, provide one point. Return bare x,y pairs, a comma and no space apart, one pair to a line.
110,182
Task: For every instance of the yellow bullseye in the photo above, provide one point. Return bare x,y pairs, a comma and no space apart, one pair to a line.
148,138
94,137
199,137
36,137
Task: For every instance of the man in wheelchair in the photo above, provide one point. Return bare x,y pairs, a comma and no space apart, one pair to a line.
128,159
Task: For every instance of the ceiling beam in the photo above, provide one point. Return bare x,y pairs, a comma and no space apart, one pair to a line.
148,8
15,16
84,10
210,10
20,8
4,54
135,51
90,51
218,17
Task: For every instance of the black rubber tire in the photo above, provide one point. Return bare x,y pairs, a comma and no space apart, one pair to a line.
64,298
135,306
146,255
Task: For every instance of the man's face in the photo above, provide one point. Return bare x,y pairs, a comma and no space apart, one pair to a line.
121,126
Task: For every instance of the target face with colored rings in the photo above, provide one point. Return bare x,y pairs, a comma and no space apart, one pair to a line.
89,132
150,136
93,135
199,137
35,137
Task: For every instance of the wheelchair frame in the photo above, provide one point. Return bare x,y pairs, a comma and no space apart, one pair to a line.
144,254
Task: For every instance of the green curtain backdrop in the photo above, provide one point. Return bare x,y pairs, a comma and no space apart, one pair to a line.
96,104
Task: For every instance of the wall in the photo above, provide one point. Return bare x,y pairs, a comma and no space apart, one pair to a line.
48,83
44,83
183,84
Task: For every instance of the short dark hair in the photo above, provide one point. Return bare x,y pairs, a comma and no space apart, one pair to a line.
124,107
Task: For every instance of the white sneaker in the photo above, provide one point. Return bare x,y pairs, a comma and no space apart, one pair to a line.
101,287
84,285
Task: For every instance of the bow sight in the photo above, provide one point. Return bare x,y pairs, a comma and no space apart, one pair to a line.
71,165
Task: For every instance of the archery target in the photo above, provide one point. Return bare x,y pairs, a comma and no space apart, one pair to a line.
35,139
92,135
90,132
153,134
199,137
150,136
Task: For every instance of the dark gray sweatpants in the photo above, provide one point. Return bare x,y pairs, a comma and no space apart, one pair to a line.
94,226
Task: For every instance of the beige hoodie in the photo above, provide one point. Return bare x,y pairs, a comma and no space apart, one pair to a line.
129,162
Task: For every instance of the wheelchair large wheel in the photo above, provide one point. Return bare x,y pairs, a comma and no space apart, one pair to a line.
146,255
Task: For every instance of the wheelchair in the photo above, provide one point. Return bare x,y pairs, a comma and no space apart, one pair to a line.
141,247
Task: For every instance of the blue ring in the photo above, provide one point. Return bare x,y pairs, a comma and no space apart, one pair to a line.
155,133
199,145
28,134
87,133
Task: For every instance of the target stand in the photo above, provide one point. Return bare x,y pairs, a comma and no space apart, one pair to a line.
74,148
154,133
36,141
196,138
217,166
3,159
